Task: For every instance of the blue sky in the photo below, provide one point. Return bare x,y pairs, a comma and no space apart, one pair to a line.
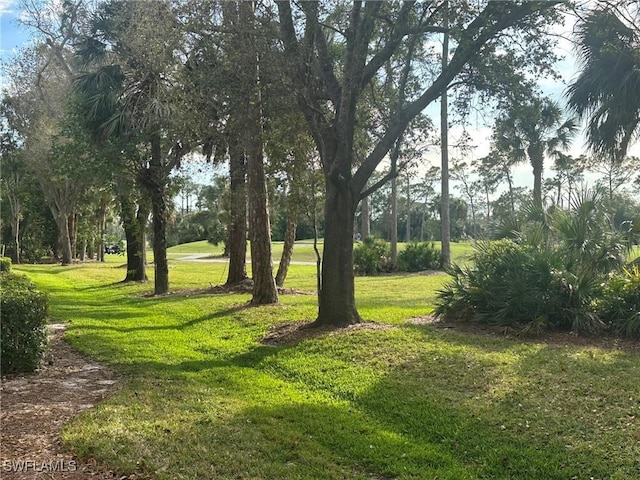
12,35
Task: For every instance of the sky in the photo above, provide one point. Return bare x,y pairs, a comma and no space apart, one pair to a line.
13,36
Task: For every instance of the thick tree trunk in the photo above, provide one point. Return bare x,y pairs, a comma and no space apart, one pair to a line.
62,222
264,286
537,186
237,234
134,224
536,157
289,241
159,207
337,304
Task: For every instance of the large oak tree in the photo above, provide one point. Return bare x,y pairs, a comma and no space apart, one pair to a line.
335,56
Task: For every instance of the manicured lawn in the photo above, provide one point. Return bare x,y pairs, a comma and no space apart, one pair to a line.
202,398
302,251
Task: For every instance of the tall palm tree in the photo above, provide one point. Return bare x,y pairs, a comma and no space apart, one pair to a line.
607,91
529,132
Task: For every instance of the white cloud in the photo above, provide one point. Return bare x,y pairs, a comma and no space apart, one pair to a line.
7,6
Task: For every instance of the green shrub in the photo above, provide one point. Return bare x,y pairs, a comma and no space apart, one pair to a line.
5,264
519,286
23,315
417,257
372,256
619,306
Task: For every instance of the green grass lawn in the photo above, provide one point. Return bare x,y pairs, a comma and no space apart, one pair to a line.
302,251
202,398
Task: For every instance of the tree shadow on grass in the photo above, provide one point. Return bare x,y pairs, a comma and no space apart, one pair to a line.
398,428
174,326
439,415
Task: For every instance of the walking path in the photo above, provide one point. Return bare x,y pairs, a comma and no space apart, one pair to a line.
36,407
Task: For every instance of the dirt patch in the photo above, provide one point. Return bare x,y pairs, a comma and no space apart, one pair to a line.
291,333
603,340
36,407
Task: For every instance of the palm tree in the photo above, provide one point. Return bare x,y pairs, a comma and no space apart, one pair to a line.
529,132
607,91
128,93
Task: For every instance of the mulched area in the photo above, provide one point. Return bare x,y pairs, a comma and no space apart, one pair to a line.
36,407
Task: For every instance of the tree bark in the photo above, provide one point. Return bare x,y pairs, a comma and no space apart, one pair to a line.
73,234
394,222
62,223
407,238
337,305
236,245
102,227
445,219
264,286
536,157
12,187
237,234
159,206
134,224
15,234
365,215
289,241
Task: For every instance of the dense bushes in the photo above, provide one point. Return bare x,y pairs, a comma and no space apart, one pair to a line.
619,306
373,256
5,264
559,272
23,314
417,257
518,286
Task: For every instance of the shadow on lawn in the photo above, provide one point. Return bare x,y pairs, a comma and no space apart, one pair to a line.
411,423
105,316
443,413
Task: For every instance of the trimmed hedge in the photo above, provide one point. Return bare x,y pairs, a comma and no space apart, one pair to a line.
23,316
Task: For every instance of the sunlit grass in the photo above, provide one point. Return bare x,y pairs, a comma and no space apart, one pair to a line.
302,252
203,399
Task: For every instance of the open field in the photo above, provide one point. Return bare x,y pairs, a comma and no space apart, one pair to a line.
302,251
202,398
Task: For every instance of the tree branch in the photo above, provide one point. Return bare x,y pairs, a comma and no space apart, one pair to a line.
493,19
